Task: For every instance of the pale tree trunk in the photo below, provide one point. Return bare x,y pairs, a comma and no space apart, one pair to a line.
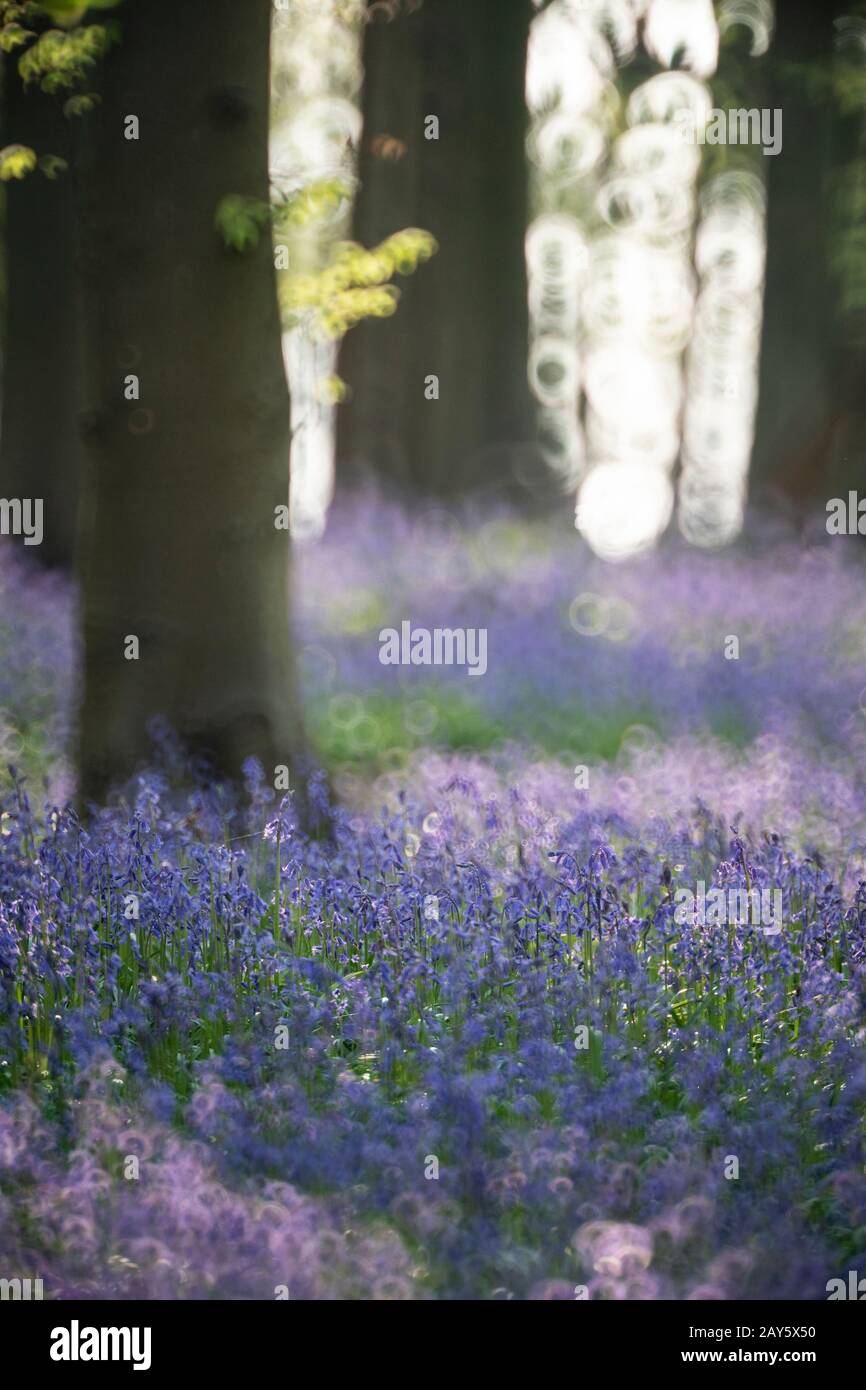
463,316
179,546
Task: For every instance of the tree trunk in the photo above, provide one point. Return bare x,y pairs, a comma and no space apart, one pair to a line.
462,317
180,547
811,425
40,446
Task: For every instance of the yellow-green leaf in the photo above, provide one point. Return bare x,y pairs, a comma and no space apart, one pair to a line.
16,161
13,36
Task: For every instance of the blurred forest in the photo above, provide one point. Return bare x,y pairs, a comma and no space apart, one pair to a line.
453,250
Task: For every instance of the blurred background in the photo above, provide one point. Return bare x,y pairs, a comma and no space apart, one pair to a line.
655,311
571,310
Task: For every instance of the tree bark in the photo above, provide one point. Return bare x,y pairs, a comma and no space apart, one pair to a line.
462,317
811,424
179,545
40,446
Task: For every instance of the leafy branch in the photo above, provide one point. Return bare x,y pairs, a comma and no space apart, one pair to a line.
54,59
355,283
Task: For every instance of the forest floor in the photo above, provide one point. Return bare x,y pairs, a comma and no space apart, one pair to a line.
475,1046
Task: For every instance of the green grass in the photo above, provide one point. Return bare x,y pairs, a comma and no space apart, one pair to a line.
440,719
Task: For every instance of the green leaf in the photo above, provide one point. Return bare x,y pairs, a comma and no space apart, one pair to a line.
81,104
71,11
51,165
238,220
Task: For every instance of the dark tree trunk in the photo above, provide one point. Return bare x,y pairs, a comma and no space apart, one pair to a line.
811,425
463,316
40,448
179,546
